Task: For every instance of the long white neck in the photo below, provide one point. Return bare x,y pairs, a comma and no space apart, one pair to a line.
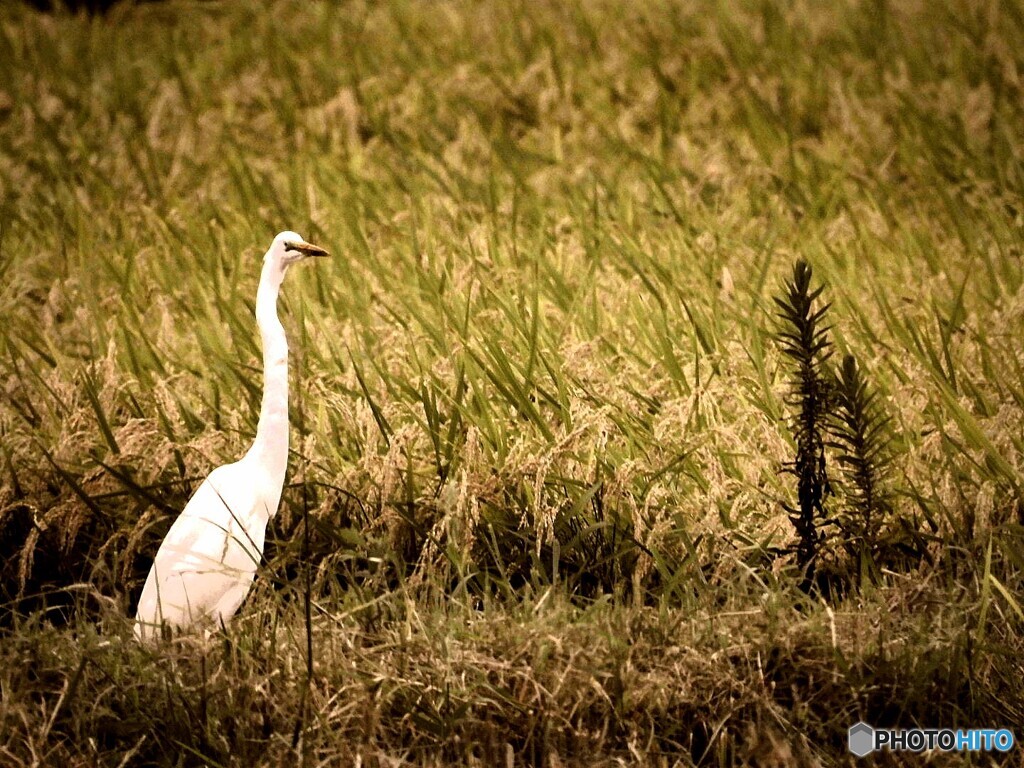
270,448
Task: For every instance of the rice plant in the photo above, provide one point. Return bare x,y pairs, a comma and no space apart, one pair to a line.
540,413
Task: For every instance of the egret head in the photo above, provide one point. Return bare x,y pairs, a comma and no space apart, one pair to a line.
289,247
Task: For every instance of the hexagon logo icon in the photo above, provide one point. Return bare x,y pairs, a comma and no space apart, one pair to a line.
861,739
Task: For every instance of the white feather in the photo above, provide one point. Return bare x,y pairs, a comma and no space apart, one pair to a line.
206,563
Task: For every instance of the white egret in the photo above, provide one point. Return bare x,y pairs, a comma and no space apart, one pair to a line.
206,563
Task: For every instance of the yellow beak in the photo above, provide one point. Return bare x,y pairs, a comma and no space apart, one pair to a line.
308,249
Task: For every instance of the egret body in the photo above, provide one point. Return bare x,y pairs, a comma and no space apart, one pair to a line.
206,563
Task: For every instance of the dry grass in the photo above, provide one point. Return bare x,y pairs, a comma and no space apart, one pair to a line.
410,681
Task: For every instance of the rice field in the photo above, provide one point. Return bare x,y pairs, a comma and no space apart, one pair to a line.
543,420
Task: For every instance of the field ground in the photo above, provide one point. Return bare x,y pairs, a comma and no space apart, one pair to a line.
541,414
